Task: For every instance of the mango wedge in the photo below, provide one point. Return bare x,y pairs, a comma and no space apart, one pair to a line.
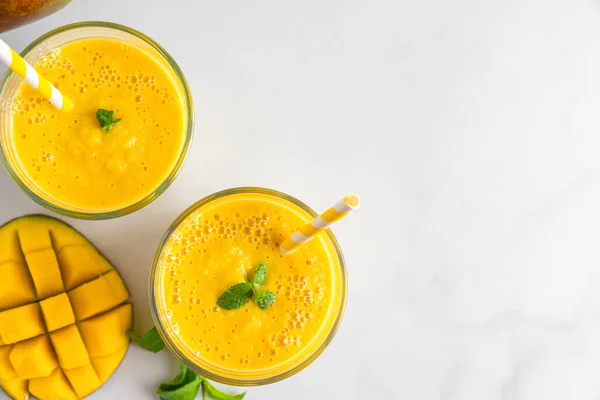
16,388
57,312
98,296
7,371
64,311
106,365
17,287
83,379
54,386
103,335
69,348
33,358
21,323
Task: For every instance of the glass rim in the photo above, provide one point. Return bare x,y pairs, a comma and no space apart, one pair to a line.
154,301
187,102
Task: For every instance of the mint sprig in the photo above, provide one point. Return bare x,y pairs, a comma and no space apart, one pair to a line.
239,294
150,340
259,274
216,394
236,296
187,383
184,386
105,118
264,298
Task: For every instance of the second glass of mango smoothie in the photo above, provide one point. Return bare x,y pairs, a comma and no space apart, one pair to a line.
226,239
71,162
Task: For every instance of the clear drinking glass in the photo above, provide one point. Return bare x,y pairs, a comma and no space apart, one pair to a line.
243,377
54,39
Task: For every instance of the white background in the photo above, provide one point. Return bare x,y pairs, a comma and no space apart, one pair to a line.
471,129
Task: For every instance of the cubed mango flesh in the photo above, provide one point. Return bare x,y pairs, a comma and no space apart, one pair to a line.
83,379
98,296
16,287
33,358
103,334
105,366
63,235
7,371
10,248
57,312
69,348
61,302
45,272
16,389
80,264
54,386
33,236
21,323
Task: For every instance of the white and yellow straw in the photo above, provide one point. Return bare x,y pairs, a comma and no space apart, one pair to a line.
310,230
22,68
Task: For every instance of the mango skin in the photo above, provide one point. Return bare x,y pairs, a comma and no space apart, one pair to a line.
14,13
67,308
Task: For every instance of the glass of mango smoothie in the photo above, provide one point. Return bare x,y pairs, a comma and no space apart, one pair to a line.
85,163
221,241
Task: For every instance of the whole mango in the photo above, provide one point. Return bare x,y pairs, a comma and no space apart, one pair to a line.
14,13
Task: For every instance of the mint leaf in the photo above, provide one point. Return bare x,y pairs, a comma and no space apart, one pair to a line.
184,377
105,118
259,274
184,386
236,296
150,340
216,394
264,298
186,392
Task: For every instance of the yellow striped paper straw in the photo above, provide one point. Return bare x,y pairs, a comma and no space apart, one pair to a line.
22,68
310,230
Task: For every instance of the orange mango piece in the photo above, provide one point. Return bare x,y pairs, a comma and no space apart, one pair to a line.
80,264
33,358
55,386
21,323
16,388
63,235
7,371
33,236
105,366
98,296
45,272
16,287
83,379
57,312
104,334
69,348
10,248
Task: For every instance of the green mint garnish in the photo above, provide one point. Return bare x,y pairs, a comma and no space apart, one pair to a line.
184,386
238,295
150,340
264,298
216,394
259,274
105,118
187,384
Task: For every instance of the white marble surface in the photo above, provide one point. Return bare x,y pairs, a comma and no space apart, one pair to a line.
471,130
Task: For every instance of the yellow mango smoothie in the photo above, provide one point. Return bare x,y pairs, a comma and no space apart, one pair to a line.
79,160
222,241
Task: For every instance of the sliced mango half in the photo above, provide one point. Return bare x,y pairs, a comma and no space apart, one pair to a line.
64,311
